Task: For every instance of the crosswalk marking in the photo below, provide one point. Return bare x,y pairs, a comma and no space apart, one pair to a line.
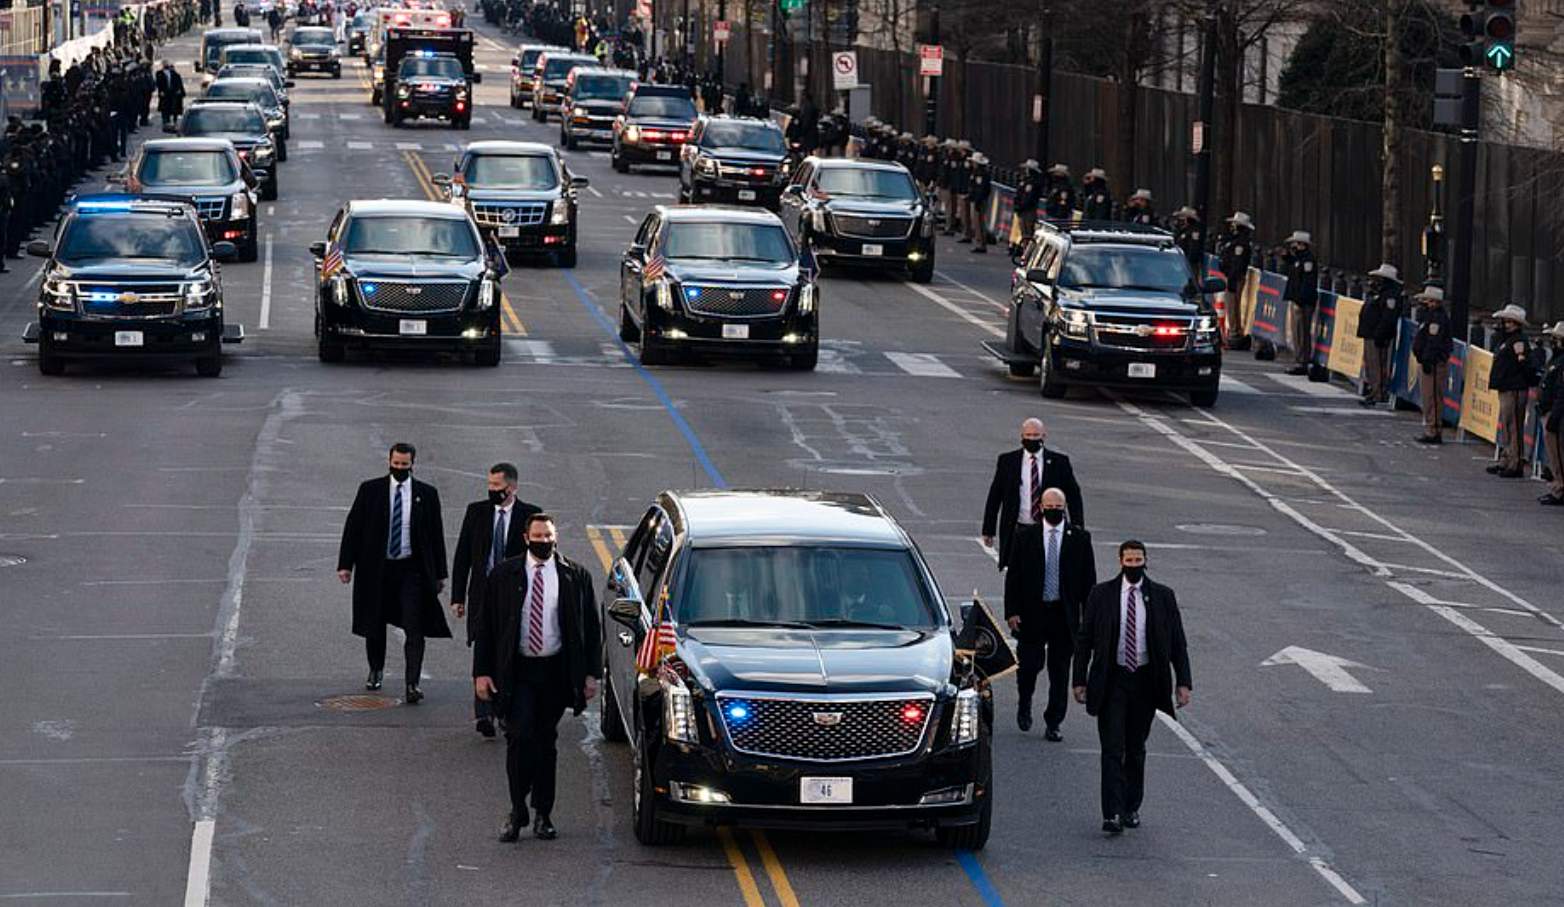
1231,385
350,116
308,116
1302,385
541,351
310,145
361,146
925,365
409,146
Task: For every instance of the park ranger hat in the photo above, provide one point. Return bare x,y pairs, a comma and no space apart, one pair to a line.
1301,237
1031,164
1556,331
964,145
906,136
1436,294
1241,219
1187,211
979,158
1511,312
1059,170
1096,173
1142,194
1388,271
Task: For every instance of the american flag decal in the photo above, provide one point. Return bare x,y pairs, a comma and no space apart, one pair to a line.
332,263
655,268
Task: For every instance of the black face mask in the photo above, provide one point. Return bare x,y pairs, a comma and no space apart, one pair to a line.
1053,515
497,498
1032,445
400,474
541,550
1134,574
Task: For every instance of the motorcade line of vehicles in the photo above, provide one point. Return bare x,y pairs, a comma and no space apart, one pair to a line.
314,49
521,195
210,173
429,72
243,125
548,80
258,91
522,66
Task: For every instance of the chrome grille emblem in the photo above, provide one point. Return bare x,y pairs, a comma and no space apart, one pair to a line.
827,719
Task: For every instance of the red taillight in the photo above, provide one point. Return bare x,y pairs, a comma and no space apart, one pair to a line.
232,234
460,107
912,713
653,136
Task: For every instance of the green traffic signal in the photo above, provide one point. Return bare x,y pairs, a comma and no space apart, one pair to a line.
1501,57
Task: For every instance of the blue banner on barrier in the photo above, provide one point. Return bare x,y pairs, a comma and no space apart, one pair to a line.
1324,328
1404,376
1270,311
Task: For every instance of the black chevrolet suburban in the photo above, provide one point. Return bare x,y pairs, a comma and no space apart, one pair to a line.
734,160
813,679
131,278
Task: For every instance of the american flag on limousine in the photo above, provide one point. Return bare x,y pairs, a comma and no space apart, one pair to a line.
655,268
332,263
660,639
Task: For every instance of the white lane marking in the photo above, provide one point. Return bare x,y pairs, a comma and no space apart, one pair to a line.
1260,809
409,146
630,218
361,146
349,116
1342,411
452,146
960,312
311,145
266,288
1328,669
479,120
540,350
593,190
1231,385
198,882
1487,637
1539,649
660,194
1302,385
37,275
31,480
308,116
127,636
924,365
270,210
975,292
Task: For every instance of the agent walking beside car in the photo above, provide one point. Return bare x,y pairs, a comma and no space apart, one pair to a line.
1043,615
493,529
537,651
1131,637
393,551
1015,495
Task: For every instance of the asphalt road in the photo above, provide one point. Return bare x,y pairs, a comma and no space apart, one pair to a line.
174,640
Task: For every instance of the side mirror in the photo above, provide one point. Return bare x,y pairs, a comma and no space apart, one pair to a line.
318,249
39,248
626,611
225,251
476,77
1214,285
1037,275
579,182
794,189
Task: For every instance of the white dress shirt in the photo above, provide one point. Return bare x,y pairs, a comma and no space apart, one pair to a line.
1024,514
405,489
1140,622
551,635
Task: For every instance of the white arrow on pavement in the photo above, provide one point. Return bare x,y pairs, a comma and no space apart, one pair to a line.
1327,669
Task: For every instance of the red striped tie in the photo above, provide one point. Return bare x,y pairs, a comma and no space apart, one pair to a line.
1037,493
535,614
1131,653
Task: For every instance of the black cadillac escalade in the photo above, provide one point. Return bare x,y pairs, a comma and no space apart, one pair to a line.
409,275
131,278
813,680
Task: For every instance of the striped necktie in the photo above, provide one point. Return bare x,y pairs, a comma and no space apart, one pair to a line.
1131,650
394,549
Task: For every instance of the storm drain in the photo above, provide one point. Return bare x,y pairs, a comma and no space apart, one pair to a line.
359,702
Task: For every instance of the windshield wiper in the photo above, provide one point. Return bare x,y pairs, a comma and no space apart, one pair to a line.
746,622
850,622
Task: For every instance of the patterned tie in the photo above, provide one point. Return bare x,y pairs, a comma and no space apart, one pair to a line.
1051,568
1037,493
535,614
394,549
1131,651
497,544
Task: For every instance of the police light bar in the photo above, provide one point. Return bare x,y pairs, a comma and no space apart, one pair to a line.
103,206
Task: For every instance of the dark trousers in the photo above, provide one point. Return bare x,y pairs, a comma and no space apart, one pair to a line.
1123,724
401,592
538,697
1050,646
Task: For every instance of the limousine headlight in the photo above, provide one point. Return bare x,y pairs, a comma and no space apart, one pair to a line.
678,710
806,299
965,719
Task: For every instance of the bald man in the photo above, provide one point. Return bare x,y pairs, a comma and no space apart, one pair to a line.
1043,609
1015,496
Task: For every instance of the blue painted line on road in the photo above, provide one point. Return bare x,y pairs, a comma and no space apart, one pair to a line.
979,878
684,428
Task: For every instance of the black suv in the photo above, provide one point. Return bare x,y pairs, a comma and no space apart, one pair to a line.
431,84
520,194
654,127
814,681
1111,305
733,159
717,280
243,124
131,276
862,213
406,274
211,174
593,99
521,67
314,49
548,80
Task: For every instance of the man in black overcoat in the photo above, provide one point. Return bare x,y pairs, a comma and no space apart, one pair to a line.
393,545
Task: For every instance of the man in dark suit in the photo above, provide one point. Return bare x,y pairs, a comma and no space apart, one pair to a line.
1015,496
395,542
1043,616
537,650
1131,636
493,529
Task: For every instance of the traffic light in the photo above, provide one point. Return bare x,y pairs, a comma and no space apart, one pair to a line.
1489,27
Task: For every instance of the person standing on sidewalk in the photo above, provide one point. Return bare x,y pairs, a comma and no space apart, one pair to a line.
1377,328
1512,375
1550,413
1303,292
979,185
1431,350
1233,251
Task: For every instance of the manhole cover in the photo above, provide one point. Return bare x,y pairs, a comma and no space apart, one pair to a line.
1219,529
12,560
359,702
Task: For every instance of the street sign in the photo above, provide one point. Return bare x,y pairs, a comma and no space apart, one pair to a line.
719,30
931,59
1197,137
789,6
844,69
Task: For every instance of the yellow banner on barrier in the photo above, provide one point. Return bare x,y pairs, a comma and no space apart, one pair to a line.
1248,298
1479,403
1346,347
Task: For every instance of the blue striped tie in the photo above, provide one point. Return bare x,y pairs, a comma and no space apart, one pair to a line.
394,550
497,544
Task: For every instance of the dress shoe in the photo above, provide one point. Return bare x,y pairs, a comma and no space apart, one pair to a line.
1430,439
1494,470
1024,718
1549,500
373,683
1052,735
486,727
1112,828
414,694
1511,473
543,829
511,831
1132,820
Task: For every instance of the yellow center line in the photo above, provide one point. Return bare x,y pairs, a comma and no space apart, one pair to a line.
511,311
746,879
603,554
779,882
619,536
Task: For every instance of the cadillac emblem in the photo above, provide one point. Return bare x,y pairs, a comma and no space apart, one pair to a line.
735,295
873,222
414,291
827,719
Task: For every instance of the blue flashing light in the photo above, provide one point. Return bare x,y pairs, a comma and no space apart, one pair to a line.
101,296
368,287
692,292
738,711
423,53
103,206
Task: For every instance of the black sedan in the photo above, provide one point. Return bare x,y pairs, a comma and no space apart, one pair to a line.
734,160
866,213
717,280
407,275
